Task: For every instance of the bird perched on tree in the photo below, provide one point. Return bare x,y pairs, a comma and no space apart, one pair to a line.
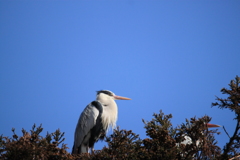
95,120
188,140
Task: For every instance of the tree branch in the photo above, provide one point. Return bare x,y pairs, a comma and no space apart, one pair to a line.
226,132
235,157
228,146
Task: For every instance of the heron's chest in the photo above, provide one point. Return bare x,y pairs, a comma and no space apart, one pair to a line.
109,117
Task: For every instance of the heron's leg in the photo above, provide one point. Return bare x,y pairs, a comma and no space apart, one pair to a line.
92,149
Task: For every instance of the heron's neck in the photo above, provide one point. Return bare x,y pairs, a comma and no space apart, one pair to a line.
110,111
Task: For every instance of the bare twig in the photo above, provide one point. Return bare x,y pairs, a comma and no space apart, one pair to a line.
226,132
237,157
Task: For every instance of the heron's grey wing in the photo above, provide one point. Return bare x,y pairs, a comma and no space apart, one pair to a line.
86,122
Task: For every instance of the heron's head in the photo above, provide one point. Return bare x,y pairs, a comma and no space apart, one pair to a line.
110,94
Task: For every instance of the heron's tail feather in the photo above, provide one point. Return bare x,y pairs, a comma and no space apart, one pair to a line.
73,150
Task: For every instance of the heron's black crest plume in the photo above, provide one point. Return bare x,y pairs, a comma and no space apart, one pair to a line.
105,92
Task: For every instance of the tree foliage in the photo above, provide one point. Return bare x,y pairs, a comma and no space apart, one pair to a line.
33,146
232,102
191,140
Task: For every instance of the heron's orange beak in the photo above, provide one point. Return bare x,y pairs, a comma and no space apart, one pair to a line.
121,98
212,125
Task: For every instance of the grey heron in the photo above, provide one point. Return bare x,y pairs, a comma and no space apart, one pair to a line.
95,120
188,140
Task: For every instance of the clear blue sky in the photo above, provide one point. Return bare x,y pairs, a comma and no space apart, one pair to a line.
168,55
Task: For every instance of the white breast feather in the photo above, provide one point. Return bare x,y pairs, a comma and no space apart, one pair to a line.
109,117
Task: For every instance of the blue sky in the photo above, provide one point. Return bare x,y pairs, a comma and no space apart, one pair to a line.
165,55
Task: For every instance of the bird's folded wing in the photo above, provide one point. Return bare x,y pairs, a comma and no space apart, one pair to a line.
86,122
